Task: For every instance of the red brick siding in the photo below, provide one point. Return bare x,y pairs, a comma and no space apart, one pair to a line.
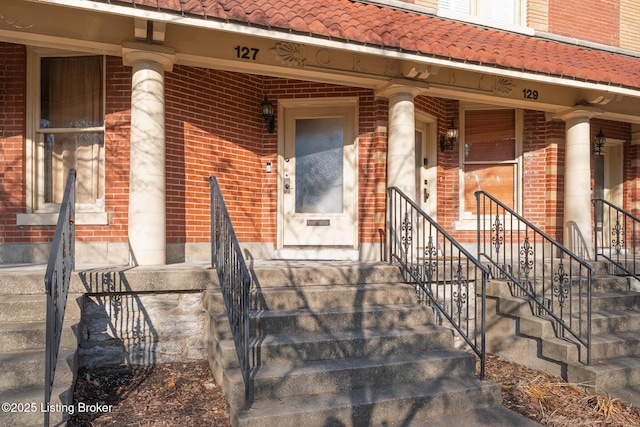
213,127
534,167
594,20
117,136
12,126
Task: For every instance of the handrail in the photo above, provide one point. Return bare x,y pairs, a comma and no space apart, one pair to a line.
441,268
554,278
620,244
57,277
235,281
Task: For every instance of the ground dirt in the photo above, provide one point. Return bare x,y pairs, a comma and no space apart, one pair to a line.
185,394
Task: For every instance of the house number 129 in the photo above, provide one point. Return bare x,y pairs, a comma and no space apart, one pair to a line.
529,94
244,52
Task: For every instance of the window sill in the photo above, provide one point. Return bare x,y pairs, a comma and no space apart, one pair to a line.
82,218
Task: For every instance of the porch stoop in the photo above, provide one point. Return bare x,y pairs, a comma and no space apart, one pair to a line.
514,333
23,306
345,344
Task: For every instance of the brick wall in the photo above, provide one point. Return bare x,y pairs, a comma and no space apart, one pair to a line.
12,125
593,20
213,127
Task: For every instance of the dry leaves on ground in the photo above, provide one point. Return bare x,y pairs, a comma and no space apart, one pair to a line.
171,394
185,394
551,401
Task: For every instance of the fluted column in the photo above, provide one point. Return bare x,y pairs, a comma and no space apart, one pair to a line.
147,189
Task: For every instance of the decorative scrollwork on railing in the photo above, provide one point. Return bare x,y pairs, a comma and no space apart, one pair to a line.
526,261
460,294
406,231
497,231
617,231
430,264
561,285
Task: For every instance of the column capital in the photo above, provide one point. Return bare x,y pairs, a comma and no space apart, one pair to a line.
584,112
133,52
400,86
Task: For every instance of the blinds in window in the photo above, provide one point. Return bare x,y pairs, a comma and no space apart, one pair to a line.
460,6
498,10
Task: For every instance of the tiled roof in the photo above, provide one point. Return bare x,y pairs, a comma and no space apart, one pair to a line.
387,28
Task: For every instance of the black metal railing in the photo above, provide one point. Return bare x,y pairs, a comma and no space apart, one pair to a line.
555,280
235,281
56,280
616,236
445,274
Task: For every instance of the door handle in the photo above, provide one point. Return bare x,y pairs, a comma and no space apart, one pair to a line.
287,185
425,194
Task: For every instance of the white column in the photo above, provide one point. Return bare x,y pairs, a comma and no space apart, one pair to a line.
577,184
147,189
401,163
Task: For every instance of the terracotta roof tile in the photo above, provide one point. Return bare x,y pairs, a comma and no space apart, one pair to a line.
192,7
415,33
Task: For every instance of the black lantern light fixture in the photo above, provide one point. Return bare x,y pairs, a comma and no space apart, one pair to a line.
448,140
598,142
267,113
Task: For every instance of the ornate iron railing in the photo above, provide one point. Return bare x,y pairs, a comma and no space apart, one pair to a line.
235,281
445,274
538,268
616,236
56,280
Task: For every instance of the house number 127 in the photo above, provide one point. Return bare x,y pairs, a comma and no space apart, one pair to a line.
244,52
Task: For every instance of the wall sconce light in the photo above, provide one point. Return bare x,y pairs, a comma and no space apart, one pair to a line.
448,140
598,142
267,113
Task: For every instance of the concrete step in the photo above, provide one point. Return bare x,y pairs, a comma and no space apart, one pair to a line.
396,404
607,375
103,279
603,347
610,284
29,408
614,300
341,318
33,308
614,321
317,297
21,336
331,319
26,369
321,273
290,350
334,376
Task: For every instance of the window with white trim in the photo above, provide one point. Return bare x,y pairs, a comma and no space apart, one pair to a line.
500,11
66,130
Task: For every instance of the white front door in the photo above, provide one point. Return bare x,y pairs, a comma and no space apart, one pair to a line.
318,178
426,159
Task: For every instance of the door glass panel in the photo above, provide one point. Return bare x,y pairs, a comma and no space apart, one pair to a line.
319,165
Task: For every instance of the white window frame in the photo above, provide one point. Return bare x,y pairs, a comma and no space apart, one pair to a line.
475,15
37,211
468,220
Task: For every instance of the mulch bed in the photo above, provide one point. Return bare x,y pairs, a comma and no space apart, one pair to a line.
171,394
185,394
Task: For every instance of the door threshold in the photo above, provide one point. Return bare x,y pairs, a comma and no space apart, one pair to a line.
325,254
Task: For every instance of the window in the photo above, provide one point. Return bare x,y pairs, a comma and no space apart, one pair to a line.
66,130
490,157
499,11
